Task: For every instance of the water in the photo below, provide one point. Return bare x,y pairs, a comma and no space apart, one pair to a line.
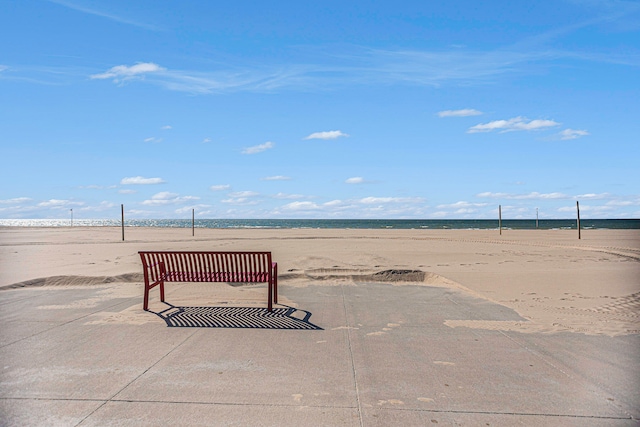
434,224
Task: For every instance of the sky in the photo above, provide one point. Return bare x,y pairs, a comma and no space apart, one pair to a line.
330,109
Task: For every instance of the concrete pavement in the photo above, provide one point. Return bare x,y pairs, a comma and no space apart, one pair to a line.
370,354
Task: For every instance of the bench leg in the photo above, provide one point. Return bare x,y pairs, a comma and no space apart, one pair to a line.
275,289
162,291
145,302
270,298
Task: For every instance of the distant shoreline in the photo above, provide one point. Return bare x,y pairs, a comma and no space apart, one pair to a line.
433,224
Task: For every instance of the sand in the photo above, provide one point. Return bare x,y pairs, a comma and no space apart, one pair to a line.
553,280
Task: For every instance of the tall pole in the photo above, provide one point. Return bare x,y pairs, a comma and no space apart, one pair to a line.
500,218
193,222
536,218
122,212
578,208
72,217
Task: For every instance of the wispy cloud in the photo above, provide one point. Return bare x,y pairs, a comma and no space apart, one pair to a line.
377,200
366,207
361,66
242,198
514,124
466,112
569,134
139,180
153,139
166,127
107,15
100,207
332,134
301,206
167,198
220,187
289,196
121,73
258,148
57,203
276,178
462,205
15,200
246,193
529,196
355,180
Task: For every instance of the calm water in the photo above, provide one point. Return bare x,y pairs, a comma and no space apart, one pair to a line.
435,224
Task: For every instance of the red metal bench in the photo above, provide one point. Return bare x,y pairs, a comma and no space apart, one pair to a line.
231,267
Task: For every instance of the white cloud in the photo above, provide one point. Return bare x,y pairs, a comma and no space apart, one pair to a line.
242,198
466,112
258,148
167,198
462,205
374,200
593,196
288,196
139,180
15,200
530,196
244,194
568,134
355,180
57,203
127,191
153,139
587,208
631,201
220,187
514,124
101,207
167,127
332,134
301,206
276,178
198,209
206,140
121,73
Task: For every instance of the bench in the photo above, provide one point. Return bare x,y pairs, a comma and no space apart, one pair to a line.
231,267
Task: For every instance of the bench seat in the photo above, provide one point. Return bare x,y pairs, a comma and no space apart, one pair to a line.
187,276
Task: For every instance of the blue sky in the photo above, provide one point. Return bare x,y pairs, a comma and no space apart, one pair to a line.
332,109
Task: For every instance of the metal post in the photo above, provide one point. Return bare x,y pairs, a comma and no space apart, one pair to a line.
536,218
500,218
193,222
578,208
122,212
72,217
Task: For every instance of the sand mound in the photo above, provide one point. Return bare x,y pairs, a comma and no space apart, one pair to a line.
355,275
77,281
393,276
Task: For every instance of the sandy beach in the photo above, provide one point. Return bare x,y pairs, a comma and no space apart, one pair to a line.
552,279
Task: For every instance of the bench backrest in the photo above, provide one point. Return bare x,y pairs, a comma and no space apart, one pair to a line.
157,263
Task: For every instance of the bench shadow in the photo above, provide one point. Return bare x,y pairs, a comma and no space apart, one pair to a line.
237,317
